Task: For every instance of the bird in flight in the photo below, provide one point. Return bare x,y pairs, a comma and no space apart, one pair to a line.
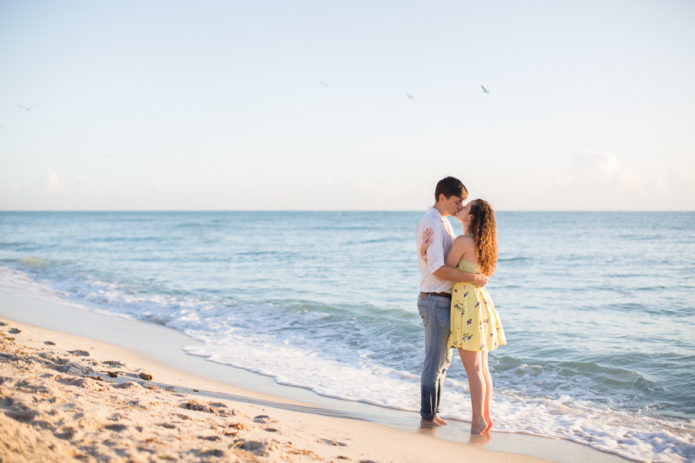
323,84
484,89
26,108
409,96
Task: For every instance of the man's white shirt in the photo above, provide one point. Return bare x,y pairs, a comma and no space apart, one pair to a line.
442,238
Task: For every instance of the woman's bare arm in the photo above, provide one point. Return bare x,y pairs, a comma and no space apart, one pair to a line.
462,247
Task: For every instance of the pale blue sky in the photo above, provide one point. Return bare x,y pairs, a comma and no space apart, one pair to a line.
303,105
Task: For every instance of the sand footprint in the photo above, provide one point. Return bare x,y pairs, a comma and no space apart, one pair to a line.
334,443
67,433
233,430
197,406
125,385
23,416
263,419
77,382
115,427
211,453
113,364
259,448
79,353
211,407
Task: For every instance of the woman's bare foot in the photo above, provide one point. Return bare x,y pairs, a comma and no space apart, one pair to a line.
478,425
489,422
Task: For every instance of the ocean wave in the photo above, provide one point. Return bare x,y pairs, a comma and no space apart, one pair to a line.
373,241
130,239
257,253
641,236
33,262
13,244
514,259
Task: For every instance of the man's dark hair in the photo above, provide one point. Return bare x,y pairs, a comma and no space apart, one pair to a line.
449,186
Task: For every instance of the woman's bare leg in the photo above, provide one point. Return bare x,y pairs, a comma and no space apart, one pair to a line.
472,362
487,401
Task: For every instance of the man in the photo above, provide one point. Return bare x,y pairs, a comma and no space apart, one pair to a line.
434,301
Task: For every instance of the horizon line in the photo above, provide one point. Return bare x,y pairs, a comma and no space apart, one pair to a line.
332,210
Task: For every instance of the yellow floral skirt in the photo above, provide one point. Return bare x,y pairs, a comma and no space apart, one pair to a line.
475,323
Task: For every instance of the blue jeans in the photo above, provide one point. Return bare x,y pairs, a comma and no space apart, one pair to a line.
435,313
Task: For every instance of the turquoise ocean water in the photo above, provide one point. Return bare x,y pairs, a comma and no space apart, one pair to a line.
599,308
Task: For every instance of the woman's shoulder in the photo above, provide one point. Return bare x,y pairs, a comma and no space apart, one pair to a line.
465,240
463,244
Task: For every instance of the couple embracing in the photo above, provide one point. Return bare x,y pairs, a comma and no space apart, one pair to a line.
454,305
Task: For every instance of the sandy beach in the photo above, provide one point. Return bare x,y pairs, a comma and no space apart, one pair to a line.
64,396
76,384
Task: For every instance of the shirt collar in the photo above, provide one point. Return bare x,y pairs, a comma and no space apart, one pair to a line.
435,213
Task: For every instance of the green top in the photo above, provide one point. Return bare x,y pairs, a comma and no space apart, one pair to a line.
470,267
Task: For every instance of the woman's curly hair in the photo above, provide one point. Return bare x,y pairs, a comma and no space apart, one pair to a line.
483,227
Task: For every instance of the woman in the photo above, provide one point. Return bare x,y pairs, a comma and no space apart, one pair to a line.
476,328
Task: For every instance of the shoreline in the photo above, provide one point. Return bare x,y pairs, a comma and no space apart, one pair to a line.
159,349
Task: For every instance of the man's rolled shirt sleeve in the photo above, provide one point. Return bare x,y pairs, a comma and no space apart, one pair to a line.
435,252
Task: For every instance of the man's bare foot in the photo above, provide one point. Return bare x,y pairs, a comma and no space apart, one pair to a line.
435,423
428,423
440,421
478,425
489,422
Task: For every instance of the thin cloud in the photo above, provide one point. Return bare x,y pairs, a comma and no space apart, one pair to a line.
605,169
52,181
